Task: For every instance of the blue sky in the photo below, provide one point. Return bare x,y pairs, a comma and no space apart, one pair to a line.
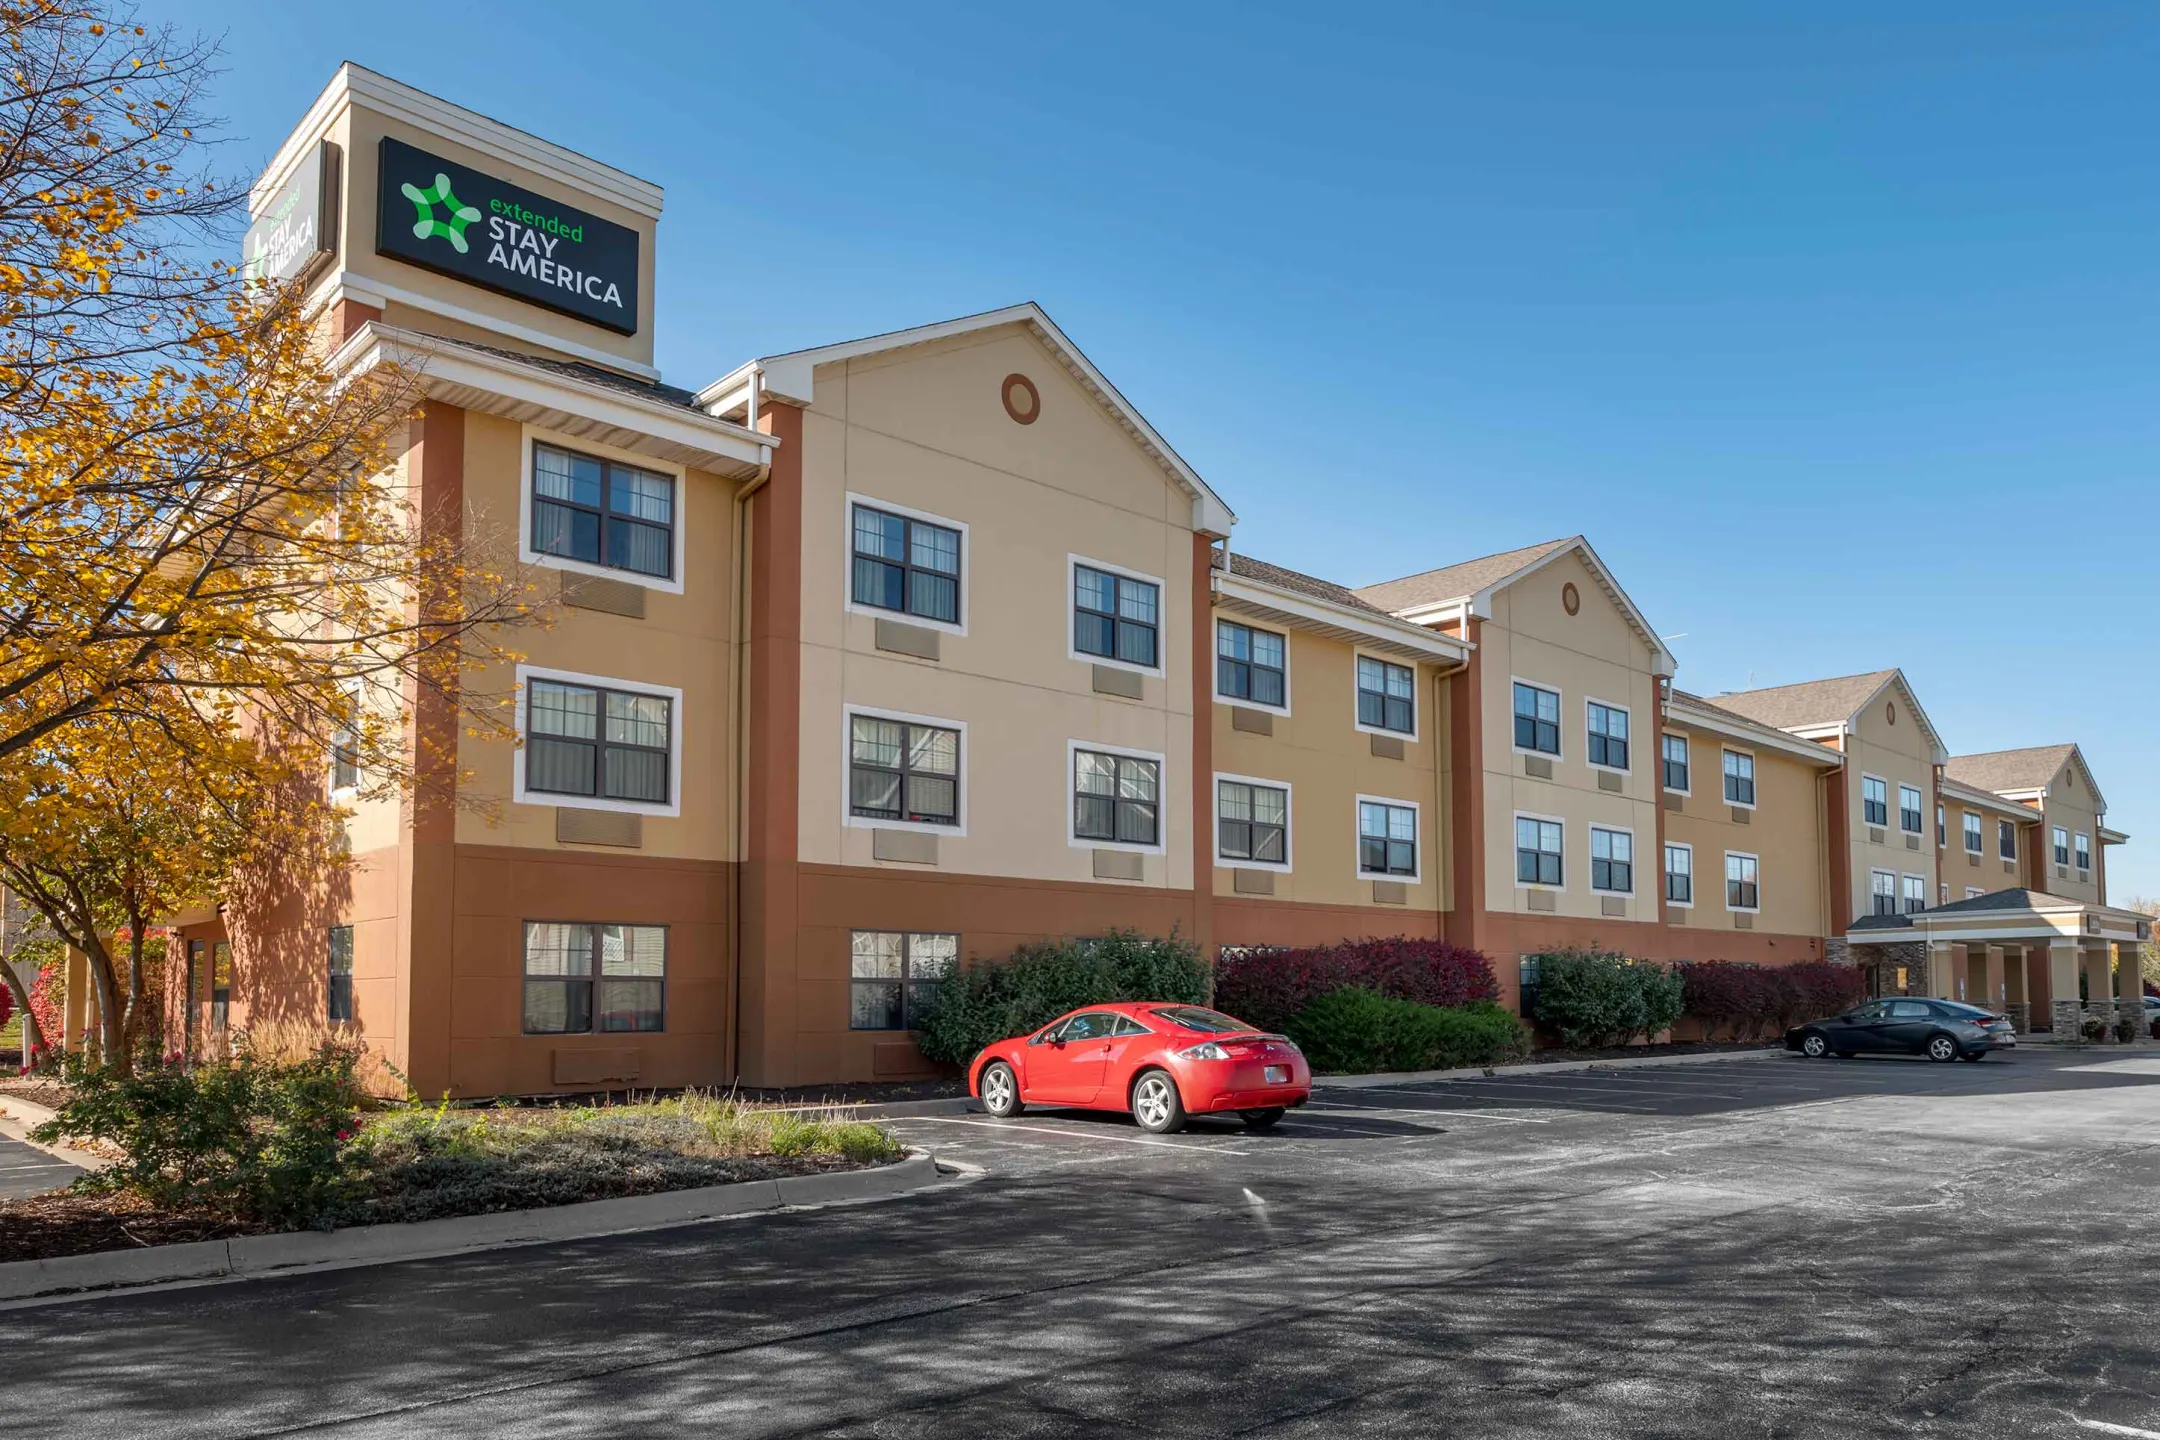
1833,326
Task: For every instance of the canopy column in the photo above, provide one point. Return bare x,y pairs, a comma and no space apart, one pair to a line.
2063,990
2099,996
2130,988
1993,993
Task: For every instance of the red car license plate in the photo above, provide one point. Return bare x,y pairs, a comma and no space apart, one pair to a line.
1278,1074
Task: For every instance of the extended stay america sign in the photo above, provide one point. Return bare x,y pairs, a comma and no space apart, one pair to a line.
454,220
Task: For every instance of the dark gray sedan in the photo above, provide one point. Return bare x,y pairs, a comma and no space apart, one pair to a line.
1938,1029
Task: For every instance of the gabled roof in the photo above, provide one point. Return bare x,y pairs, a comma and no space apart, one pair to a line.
2020,772
1277,595
1473,583
791,377
1456,582
1986,799
1685,709
1821,704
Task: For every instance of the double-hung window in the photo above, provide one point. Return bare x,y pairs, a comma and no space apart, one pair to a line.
2084,852
1249,664
1909,802
340,1011
1608,736
1252,822
1942,832
1882,891
597,741
602,512
1973,842
1874,800
1915,894
1537,719
1386,696
1739,778
2062,846
1612,861
1116,617
906,565
1117,799
1743,881
903,770
581,979
345,745
2006,839
1387,839
894,974
1680,874
1675,752
1537,851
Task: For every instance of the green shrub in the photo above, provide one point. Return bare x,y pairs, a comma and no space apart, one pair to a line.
1601,997
992,1000
261,1140
1354,1031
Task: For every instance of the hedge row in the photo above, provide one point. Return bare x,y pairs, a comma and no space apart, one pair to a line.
1268,988
990,1000
1588,996
1355,1031
1748,1002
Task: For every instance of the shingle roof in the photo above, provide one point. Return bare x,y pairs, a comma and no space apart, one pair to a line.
1812,702
1881,922
2000,770
1294,581
1452,582
2003,900
577,370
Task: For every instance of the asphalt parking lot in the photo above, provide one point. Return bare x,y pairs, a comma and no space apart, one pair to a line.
1769,1247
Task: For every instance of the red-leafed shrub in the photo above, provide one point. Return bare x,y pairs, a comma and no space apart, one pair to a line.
1267,987
1746,1002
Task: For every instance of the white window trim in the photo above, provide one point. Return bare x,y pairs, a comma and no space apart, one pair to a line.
1687,904
2015,847
2059,840
1590,855
1588,701
1561,821
1942,826
1072,799
903,617
1357,835
2087,850
1902,878
1895,897
1921,811
1417,703
1976,832
672,694
850,819
1887,824
1724,882
530,556
1215,679
354,692
1663,736
1289,824
1162,614
1974,892
1560,722
1754,776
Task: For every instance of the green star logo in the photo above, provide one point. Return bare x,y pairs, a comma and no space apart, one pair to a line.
426,226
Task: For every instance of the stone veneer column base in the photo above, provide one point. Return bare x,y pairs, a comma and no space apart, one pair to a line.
2067,1014
2134,1012
2020,1016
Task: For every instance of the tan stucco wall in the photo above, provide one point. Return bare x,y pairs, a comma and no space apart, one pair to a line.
1327,762
684,641
1899,753
2070,804
927,429
1958,869
1784,832
359,131
1593,654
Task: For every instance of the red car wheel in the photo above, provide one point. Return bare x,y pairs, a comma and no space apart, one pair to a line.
1156,1103
1000,1090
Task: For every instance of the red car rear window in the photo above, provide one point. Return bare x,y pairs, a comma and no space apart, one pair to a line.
1193,1017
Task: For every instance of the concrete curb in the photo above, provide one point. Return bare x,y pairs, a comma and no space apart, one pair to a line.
1556,1067
253,1256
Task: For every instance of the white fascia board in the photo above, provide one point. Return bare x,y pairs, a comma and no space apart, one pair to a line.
444,364
436,116
2113,837
1986,799
1784,742
1401,635
341,284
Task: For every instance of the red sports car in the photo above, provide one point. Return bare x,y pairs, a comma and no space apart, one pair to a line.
1160,1061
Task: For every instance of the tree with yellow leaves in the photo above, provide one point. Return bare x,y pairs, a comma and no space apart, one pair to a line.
212,576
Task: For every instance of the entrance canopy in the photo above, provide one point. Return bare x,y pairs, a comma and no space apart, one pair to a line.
2006,917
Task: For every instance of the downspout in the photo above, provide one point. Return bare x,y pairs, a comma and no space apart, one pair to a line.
741,543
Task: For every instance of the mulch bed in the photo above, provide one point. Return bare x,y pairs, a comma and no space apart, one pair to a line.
34,1088
47,1227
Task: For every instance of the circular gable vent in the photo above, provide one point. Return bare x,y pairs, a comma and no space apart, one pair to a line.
1889,711
1022,401
1570,598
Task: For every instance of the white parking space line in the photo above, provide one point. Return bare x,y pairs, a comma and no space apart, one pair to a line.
2107,1429
1436,1110
1012,1128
